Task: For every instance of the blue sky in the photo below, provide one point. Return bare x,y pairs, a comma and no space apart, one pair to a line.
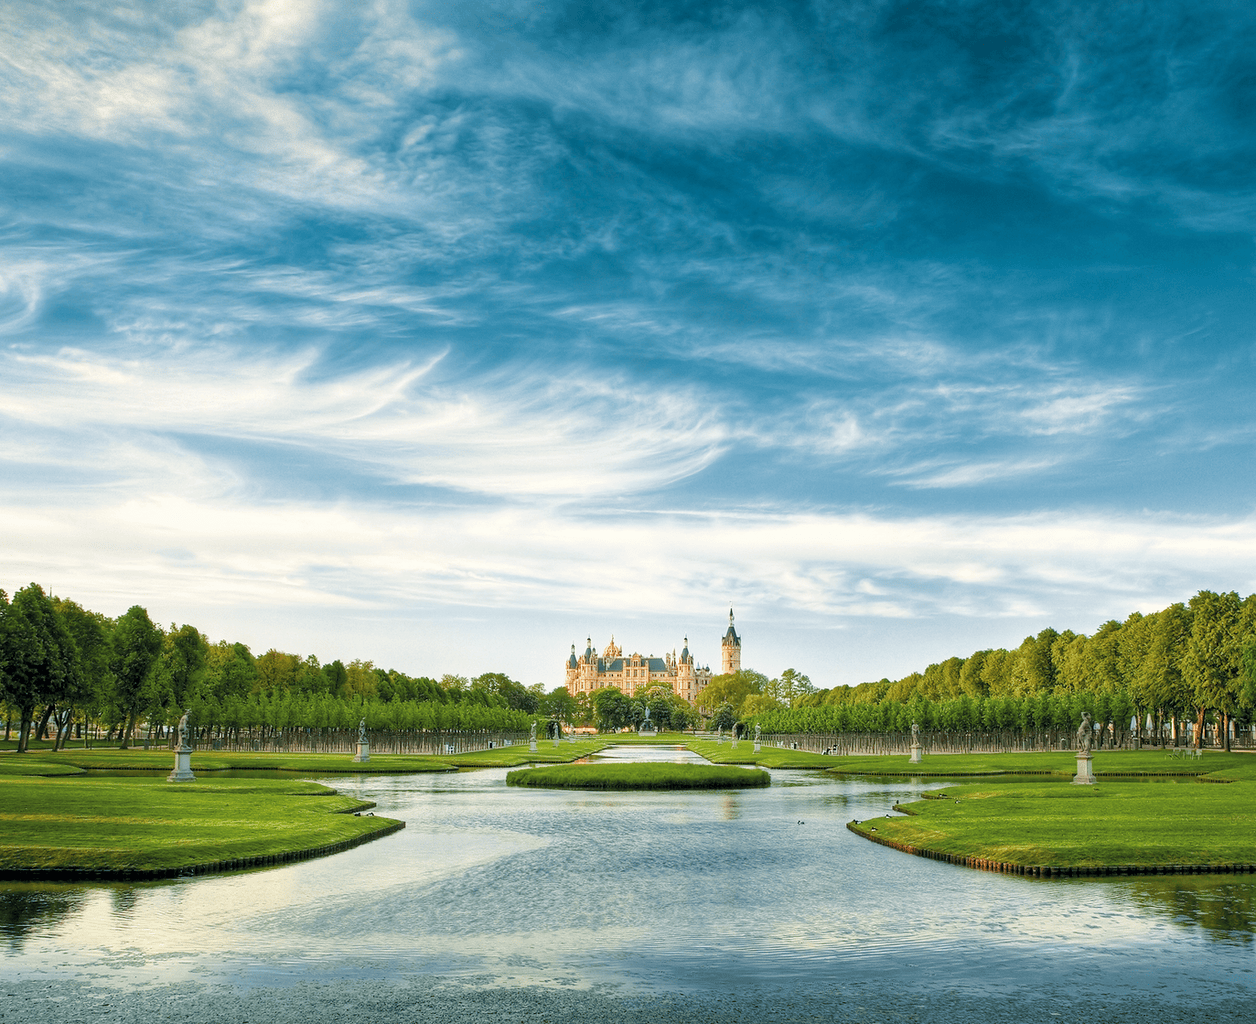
446,335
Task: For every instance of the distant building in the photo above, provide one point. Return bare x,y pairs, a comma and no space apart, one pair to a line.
638,672
730,649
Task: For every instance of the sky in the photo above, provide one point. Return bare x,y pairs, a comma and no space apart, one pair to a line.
448,335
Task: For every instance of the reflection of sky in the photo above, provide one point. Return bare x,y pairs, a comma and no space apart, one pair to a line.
655,890
444,335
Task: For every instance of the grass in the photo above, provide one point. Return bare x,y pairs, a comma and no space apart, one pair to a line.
509,757
113,759
768,757
1116,823
1062,763
656,775
126,824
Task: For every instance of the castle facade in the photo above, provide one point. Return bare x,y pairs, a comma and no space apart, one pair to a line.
635,673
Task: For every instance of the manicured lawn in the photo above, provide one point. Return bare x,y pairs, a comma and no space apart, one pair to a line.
113,759
508,757
657,775
1167,822
768,757
1063,763
115,824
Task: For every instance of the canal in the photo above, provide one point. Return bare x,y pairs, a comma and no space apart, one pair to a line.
756,898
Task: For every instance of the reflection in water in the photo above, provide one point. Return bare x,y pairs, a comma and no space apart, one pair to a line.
25,908
645,891
1226,910
125,899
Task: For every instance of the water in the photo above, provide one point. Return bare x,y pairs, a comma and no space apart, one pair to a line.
645,892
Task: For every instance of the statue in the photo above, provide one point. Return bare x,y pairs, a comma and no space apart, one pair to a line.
1085,734
182,754
532,736
915,734
362,731
757,730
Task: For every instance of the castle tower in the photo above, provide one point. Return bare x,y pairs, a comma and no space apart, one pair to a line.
730,649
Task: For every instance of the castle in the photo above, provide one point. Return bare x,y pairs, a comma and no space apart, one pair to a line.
637,672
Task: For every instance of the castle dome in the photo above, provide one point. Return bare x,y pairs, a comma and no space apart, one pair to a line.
571,662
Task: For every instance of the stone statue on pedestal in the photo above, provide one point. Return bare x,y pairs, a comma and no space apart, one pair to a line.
1085,744
1086,734
182,755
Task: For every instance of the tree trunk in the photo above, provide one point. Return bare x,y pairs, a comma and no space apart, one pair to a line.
130,725
41,732
1199,728
1225,725
24,730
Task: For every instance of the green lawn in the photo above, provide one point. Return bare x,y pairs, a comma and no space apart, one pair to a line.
509,757
113,759
119,824
1116,823
1062,763
653,775
768,757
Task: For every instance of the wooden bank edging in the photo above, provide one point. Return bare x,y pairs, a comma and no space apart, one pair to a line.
72,874
1052,870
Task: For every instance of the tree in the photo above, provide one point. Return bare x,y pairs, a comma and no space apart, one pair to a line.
724,718
611,709
1212,662
135,645
89,676
789,689
181,667
560,704
37,655
732,688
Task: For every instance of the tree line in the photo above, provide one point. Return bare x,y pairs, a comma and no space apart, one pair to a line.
1191,662
78,670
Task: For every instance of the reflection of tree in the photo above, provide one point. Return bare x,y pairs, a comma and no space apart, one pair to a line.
1224,910
23,909
124,899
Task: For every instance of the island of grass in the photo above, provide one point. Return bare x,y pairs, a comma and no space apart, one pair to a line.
654,775
92,827
1047,827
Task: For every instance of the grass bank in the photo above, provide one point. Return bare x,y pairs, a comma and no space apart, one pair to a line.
1109,763
113,759
509,757
652,775
768,757
1046,826
136,827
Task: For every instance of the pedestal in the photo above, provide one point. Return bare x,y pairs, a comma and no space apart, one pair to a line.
756,746
557,740
532,746
1085,774
915,753
364,752
182,766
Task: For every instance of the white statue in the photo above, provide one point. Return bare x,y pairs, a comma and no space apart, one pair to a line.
183,729
1085,734
362,731
532,737
757,730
